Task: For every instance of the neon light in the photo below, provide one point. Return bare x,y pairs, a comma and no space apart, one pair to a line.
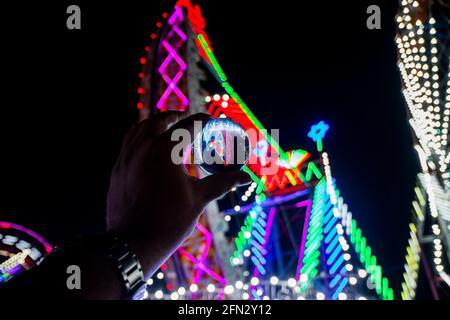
364,252
8,225
291,178
301,252
370,261
312,168
259,266
212,58
208,242
270,202
317,133
241,241
292,159
413,251
223,80
340,288
200,265
311,252
261,185
174,21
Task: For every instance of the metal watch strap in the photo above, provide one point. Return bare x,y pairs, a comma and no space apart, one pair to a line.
129,267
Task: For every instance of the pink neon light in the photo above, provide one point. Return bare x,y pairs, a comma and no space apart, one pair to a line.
207,270
8,225
172,87
208,241
201,263
174,21
172,55
177,14
308,204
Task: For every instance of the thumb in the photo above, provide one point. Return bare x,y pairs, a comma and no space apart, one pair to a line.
217,185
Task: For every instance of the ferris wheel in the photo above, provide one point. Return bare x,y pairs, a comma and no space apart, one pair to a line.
20,250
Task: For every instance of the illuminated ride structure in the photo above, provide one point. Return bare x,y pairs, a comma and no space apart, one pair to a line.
289,235
423,40
20,249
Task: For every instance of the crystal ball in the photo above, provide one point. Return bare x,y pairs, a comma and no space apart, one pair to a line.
221,146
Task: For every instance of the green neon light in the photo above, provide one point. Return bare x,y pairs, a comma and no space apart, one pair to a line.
223,80
370,262
363,249
412,257
261,184
420,196
418,210
368,254
302,178
241,241
315,235
288,174
385,288
212,58
319,145
353,234
312,168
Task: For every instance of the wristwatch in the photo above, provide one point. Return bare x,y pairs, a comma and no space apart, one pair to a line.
129,267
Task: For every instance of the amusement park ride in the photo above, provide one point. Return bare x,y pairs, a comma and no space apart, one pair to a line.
290,234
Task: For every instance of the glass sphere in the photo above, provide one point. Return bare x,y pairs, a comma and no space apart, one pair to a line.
221,146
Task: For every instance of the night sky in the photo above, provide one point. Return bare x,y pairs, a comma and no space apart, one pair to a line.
68,98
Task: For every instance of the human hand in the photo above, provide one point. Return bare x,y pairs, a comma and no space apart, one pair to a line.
152,202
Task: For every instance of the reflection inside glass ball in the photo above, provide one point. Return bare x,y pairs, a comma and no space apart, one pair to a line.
221,146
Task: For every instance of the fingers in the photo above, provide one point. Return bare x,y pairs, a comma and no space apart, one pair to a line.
216,186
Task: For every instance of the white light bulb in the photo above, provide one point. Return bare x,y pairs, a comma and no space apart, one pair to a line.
274,280
193,287
291,282
254,281
210,288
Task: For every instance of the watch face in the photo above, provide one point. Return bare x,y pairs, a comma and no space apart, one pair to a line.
221,146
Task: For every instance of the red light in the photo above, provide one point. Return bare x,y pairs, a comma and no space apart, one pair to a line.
159,24
164,267
140,105
5,225
143,61
141,75
141,91
165,15
169,287
153,36
147,49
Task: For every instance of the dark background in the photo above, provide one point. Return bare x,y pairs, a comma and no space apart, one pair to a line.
68,97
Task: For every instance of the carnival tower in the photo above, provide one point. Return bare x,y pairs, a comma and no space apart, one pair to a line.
423,37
